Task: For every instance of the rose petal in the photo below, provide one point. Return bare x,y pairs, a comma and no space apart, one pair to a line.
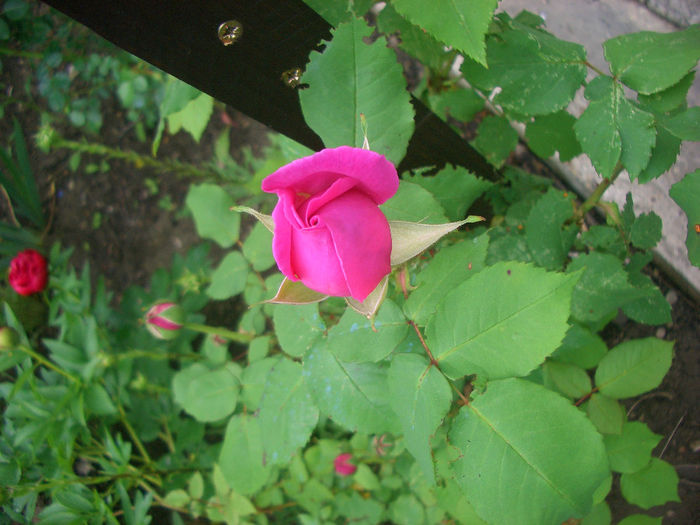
375,175
315,262
362,240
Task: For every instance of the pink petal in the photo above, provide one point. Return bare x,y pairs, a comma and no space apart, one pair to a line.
375,175
362,240
315,261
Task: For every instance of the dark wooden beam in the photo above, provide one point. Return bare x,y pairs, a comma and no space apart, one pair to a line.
181,38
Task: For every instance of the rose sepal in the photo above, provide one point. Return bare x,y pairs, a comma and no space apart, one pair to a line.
372,302
409,239
294,292
267,220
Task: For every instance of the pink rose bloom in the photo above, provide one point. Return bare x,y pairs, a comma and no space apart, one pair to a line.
342,464
329,231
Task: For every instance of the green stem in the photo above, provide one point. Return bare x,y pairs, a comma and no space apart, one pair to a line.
593,199
221,332
48,364
133,435
591,66
134,354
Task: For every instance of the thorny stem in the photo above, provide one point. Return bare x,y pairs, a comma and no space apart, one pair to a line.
593,199
183,169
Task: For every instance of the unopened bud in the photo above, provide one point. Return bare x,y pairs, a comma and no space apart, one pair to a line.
8,338
342,465
164,320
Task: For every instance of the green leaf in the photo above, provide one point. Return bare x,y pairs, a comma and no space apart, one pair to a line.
685,125
461,24
634,367
98,402
555,132
537,73
287,412
630,450
211,208
606,414
503,321
454,188
569,380
356,339
352,394
603,288
640,519
614,129
460,104
336,11
242,461
406,509
177,96
229,278
549,241
421,397
193,118
685,194
356,79
527,456
496,139
257,248
207,395
253,381
449,268
646,231
600,515
413,40
649,62
413,203
297,327
670,98
663,156
581,347
654,485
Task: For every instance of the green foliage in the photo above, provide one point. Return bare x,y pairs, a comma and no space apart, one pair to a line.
461,24
359,80
537,73
480,390
682,192
551,476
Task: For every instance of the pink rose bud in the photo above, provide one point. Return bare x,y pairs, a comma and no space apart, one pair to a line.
342,464
164,320
28,272
329,231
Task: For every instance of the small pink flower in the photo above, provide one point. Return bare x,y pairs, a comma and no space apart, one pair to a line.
28,272
342,464
329,231
164,320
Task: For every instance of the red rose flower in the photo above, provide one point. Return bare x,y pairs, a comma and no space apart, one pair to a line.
28,272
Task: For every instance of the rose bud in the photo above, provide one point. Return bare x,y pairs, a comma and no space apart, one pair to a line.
329,232
28,272
164,320
342,465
